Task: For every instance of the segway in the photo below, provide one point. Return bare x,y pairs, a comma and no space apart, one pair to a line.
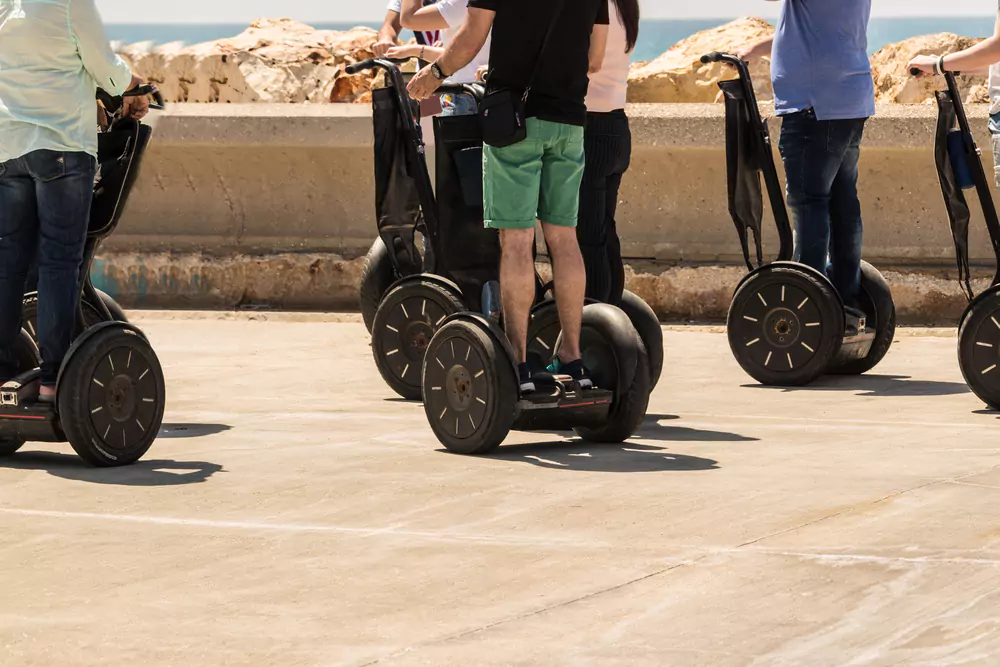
110,394
412,294
960,167
786,324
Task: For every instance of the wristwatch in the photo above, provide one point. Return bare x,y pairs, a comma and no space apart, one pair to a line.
438,73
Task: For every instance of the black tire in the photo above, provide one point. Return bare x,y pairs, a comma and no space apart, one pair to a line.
785,325
647,324
111,396
468,377
26,353
616,358
979,347
91,315
377,277
543,333
877,303
404,325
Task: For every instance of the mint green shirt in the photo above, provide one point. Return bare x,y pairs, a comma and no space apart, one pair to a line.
54,54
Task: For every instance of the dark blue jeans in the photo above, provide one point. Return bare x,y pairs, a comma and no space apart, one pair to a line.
821,171
45,199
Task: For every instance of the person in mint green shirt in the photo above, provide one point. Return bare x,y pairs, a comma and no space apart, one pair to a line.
54,54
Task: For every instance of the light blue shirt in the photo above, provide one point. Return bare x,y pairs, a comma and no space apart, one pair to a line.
53,56
819,59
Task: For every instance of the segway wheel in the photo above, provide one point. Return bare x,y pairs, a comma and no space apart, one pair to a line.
615,355
470,389
877,303
111,396
647,324
377,277
91,315
26,354
785,325
543,332
979,347
404,325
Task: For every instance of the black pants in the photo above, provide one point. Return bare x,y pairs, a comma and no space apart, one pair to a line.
608,145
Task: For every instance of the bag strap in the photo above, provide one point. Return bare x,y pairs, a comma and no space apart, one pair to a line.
545,42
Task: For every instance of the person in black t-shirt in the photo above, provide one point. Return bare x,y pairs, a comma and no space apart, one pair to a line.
538,178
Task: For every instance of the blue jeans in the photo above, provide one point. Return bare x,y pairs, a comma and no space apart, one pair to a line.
458,105
45,199
821,172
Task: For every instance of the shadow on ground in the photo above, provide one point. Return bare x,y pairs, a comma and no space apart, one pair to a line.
593,457
144,473
191,430
877,385
652,429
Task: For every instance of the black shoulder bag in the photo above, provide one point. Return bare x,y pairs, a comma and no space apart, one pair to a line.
501,113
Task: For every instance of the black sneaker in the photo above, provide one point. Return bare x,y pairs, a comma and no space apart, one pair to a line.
854,320
574,369
524,376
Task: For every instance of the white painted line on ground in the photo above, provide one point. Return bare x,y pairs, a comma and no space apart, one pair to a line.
728,419
442,536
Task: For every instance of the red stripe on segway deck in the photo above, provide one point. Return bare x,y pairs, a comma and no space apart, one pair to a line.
21,417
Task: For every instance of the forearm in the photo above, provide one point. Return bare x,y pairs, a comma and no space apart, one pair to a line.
976,58
598,47
468,42
391,27
417,17
763,47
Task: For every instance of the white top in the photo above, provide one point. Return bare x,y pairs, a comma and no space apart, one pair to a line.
608,87
454,13
995,78
53,56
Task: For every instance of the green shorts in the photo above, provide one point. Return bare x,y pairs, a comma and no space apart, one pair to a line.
536,179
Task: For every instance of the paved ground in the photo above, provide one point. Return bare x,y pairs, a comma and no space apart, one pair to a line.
293,513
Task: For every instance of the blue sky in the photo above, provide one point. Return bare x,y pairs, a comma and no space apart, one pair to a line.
242,11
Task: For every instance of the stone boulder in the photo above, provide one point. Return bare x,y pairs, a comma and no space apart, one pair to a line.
893,82
679,75
272,61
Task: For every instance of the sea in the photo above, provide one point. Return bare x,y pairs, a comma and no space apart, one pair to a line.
655,35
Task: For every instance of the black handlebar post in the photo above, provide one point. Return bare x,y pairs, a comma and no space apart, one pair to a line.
769,169
975,162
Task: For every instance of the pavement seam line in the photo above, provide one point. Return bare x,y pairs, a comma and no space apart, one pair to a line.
530,614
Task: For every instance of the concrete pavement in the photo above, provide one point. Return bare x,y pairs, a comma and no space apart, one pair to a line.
294,513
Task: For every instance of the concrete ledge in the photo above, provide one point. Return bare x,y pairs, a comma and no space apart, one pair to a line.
314,281
273,204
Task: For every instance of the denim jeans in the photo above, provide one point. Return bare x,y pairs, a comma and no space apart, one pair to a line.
45,199
458,105
821,172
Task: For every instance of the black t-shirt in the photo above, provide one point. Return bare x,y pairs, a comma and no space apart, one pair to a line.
560,85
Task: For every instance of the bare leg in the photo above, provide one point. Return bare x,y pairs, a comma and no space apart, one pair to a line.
517,285
570,280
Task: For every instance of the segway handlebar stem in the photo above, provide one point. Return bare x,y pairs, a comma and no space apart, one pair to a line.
768,168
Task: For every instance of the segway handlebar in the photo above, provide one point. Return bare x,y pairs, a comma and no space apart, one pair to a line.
742,66
113,104
391,65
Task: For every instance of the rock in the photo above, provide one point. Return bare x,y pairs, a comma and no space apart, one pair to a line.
272,61
679,75
893,82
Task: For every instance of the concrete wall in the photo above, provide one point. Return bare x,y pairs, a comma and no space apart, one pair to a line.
269,205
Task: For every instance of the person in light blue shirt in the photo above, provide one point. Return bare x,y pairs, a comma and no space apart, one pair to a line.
824,93
54,54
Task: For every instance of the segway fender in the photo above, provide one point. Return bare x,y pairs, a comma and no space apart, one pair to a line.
82,338
427,277
798,266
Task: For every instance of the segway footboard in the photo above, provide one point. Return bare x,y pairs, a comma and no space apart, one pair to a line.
559,404
854,348
22,417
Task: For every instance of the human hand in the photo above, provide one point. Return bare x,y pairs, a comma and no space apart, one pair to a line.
925,64
481,73
382,46
439,44
749,52
137,106
423,85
